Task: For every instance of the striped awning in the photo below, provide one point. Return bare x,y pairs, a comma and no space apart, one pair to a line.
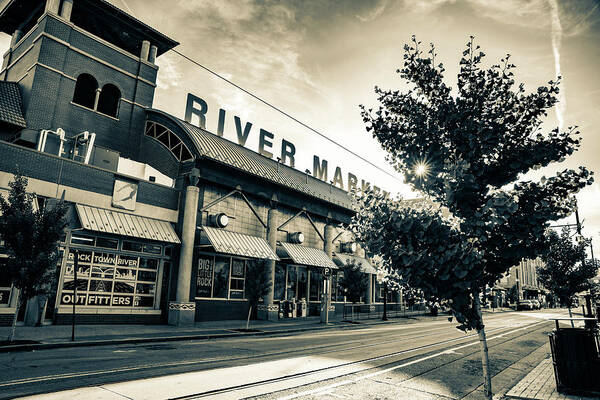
344,259
305,255
239,244
119,223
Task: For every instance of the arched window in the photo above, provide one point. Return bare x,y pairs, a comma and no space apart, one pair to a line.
108,103
85,90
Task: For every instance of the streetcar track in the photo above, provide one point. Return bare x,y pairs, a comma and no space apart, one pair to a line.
370,359
304,350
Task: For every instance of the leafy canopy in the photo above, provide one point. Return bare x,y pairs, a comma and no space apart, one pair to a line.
354,281
31,239
257,282
465,149
565,272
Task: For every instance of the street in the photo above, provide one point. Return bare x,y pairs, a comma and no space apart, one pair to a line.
428,360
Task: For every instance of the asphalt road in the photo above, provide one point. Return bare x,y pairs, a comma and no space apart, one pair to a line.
396,360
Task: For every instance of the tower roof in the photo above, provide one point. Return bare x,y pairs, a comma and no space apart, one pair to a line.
98,17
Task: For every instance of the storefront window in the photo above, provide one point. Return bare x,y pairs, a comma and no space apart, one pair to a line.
291,282
132,246
107,243
110,279
5,284
83,239
238,274
221,277
279,289
316,284
302,282
338,291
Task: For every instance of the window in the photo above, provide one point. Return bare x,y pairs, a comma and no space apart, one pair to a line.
279,289
85,91
108,102
291,282
5,284
110,279
221,277
316,285
238,275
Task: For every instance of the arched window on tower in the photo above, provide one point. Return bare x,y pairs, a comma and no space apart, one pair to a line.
108,103
85,91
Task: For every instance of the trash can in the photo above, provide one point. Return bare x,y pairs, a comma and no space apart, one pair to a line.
576,360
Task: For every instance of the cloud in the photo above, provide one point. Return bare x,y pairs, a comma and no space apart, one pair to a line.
374,12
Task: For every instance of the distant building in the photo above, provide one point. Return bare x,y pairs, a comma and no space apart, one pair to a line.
524,276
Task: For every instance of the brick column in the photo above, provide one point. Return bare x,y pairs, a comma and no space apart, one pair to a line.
182,311
268,310
66,9
52,6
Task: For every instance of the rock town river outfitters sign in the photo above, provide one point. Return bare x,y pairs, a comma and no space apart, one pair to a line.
198,107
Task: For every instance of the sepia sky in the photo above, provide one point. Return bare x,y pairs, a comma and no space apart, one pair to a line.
319,59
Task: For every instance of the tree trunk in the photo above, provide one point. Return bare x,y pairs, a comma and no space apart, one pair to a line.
571,316
11,334
485,361
248,320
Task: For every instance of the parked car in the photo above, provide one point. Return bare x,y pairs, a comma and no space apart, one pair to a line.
525,305
536,304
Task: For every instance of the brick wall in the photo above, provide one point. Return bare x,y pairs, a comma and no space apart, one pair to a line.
243,219
301,224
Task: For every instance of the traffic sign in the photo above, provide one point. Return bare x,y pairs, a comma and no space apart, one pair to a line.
326,272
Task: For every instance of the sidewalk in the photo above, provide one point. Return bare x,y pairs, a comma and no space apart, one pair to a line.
540,384
55,336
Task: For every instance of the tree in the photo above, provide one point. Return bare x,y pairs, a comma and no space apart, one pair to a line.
258,284
31,240
389,279
466,150
566,271
513,294
354,283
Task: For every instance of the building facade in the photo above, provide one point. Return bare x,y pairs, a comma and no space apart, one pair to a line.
164,217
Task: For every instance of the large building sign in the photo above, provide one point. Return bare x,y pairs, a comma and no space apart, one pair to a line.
198,107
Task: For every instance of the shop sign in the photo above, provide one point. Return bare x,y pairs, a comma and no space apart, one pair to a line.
98,300
104,258
122,301
124,195
127,261
4,296
204,276
84,256
198,107
67,299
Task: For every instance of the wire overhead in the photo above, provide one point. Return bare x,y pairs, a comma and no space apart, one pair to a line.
283,112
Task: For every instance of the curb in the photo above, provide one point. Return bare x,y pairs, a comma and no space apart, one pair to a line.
202,336
106,342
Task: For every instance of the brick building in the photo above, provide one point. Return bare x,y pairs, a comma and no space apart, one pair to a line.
164,216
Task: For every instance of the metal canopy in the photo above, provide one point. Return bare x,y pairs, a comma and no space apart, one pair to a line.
119,223
365,265
305,255
239,244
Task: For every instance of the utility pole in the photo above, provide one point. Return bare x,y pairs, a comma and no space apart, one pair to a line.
588,298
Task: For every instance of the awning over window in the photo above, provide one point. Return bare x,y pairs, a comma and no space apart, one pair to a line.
119,223
365,265
305,255
239,244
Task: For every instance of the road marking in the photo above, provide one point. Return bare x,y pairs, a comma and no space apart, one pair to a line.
385,371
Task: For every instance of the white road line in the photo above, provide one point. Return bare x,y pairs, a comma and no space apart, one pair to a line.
385,371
